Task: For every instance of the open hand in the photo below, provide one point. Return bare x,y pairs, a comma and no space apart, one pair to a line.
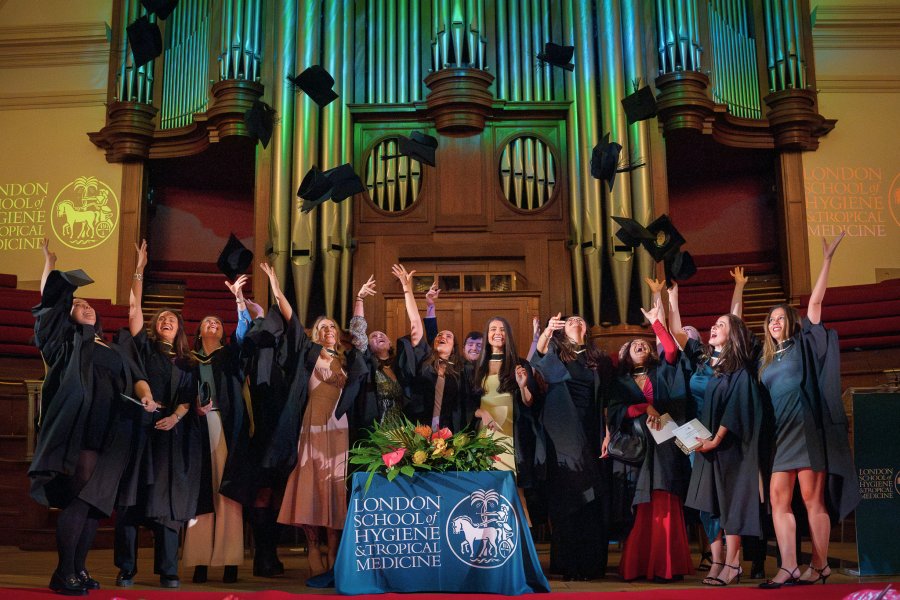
367,289
432,294
656,286
49,257
554,324
655,313
738,275
141,256
828,249
405,277
236,288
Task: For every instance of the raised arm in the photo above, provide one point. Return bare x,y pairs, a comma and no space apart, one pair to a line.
367,289
656,287
416,329
358,326
552,325
814,310
737,298
49,262
277,295
536,335
135,314
431,326
237,288
654,317
675,327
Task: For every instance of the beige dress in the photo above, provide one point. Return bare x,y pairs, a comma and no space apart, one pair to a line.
500,407
316,493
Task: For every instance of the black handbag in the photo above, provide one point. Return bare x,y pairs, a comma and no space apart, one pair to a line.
627,443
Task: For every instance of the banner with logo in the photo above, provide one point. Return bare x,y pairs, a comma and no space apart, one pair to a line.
876,421
437,532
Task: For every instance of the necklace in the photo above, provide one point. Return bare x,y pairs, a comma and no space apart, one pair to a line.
331,351
782,348
496,357
580,350
639,372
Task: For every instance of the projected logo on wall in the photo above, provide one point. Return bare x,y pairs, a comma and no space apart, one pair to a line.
84,213
894,200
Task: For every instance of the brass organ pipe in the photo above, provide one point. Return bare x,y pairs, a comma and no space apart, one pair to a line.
237,38
515,81
225,41
380,61
790,44
390,42
471,32
575,165
536,46
415,61
404,27
446,32
671,35
770,44
527,56
696,50
801,56
482,38
346,208
370,51
283,96
638,136
681,34
548,35
502,45
330,150
781,76
306,140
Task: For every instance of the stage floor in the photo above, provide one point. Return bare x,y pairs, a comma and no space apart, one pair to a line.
20,569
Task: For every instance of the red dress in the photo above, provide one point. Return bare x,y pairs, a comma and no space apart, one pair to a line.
657,546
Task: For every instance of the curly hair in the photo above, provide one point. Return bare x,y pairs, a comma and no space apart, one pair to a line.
180,346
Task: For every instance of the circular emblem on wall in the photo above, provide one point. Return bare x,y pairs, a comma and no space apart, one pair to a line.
894,200
483,530
897,482
84,213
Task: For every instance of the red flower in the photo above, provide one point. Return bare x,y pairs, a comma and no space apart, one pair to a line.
443,434
392,458
495,458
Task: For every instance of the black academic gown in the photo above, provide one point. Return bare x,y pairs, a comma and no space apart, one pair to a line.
225,364
458,402
66,407
826,425
665,467
726,481
165,478
282,358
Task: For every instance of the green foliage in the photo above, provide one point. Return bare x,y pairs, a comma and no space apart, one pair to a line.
400,447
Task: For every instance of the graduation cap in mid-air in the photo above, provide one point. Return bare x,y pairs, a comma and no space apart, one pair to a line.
260,119
234,259
418,146
640,105
316,83
145,40
557,56
605,161
335,184
161,8
663,241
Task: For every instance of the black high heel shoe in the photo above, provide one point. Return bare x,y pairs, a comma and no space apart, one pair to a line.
792,579
822,576
720,581
711,580
705,561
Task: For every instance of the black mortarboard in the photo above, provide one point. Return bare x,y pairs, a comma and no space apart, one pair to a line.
680,267
161,8
344,181
666,239
145,40
640,105
605,162
77,277
632,233
336,184
234,259
418,146
62,284
316,83
260,118
557,56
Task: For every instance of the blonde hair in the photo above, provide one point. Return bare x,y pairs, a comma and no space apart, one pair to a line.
316,328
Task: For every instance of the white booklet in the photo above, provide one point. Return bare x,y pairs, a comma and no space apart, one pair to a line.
666,431
686,435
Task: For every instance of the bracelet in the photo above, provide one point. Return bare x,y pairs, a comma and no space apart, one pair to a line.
139,276
360,298
177,416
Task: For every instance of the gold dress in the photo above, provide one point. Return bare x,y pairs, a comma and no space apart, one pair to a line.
316,493
500,407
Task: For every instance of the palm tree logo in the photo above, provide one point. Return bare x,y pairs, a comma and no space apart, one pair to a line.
485,498
84,213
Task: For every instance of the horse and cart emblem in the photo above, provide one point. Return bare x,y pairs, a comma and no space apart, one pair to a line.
483,530
85,213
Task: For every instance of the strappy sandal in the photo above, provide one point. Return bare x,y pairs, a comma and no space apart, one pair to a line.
771,584
822,576
710,580
719,582
705,561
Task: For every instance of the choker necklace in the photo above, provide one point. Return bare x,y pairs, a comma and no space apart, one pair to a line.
638,371
581,349
715,354
496,357
783,347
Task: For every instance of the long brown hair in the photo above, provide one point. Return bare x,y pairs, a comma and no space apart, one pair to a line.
568,350
180,345
507,373
452,366
791,328
737,351
626,364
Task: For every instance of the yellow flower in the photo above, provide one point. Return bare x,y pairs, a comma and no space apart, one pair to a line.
420,457
439,444
447,453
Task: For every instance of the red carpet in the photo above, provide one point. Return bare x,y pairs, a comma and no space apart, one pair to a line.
821,592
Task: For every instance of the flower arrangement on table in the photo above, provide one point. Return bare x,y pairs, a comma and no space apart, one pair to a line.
399,446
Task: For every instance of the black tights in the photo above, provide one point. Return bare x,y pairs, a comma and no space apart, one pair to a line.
77,523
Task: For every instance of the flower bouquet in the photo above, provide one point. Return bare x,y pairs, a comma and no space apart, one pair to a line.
399,446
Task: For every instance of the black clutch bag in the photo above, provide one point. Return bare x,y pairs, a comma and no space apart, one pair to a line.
628,444
204,394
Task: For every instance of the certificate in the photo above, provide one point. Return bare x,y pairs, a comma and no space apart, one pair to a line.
686,435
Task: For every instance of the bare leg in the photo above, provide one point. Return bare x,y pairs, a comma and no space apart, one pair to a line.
781,493
717,549
317,564
732,569
812,488
334,538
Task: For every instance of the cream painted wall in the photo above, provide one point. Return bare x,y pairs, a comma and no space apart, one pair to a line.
54,64
853,179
